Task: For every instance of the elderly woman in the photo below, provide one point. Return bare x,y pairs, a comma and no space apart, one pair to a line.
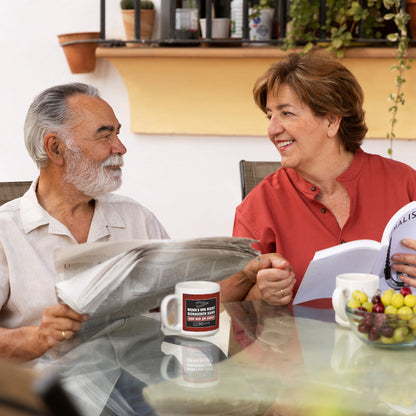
328,190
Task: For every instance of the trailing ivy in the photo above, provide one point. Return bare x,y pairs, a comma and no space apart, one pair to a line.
397,99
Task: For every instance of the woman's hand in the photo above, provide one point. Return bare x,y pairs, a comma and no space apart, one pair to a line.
406,263
275,281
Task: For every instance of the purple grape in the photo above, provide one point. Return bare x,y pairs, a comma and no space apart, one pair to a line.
363,328
374,334
387,331
367,319
376,299
378,308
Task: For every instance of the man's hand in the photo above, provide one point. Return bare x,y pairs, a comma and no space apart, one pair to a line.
59,322
275,281
406,263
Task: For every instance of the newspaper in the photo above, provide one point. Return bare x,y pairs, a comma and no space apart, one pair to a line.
102,278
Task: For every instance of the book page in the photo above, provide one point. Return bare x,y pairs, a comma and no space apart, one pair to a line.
319,281
361,256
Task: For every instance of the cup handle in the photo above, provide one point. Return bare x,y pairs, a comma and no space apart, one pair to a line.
164,313
164,367
339,299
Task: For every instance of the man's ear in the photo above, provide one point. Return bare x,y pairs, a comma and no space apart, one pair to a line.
334,122
54,148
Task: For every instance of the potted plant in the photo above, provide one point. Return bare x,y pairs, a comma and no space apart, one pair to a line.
147,17
342,26
261,20
79,49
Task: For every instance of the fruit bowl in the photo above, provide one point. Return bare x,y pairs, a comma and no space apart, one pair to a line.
383,330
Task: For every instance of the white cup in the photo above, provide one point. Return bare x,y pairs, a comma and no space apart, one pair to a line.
197,309
195,364
345,284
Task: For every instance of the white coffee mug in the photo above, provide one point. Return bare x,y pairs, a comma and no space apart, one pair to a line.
195,364
197,307
345,284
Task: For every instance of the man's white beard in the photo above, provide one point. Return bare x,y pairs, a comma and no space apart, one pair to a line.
90,178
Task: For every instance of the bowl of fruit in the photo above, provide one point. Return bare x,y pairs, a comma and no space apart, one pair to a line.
386,320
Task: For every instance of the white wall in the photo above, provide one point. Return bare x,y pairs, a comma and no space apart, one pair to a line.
191,183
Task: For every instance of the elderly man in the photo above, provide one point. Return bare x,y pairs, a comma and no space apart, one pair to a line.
72,135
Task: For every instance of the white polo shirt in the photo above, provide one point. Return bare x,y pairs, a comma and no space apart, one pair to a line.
29,236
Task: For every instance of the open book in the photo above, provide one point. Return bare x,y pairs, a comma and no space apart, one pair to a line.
101,278
362,256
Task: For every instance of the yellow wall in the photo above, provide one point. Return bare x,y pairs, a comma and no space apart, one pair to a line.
207,91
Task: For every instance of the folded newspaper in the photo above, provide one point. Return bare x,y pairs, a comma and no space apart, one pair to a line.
101,278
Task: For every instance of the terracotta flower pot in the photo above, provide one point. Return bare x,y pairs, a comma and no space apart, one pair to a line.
80,55
147,18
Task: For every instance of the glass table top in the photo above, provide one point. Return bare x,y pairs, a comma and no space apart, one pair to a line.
265,360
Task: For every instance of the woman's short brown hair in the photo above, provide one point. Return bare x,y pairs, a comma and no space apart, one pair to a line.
325,85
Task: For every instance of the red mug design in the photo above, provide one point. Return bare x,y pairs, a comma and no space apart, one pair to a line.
196,305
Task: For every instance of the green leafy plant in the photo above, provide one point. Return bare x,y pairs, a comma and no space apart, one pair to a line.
401,38
144,5
342,26
261,5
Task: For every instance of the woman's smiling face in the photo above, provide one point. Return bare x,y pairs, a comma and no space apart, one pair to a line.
299,136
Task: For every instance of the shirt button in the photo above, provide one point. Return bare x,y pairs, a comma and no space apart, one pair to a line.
323,210
313,188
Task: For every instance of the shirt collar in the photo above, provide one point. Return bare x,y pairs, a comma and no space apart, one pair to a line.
310,190
31,212
105,217
33,215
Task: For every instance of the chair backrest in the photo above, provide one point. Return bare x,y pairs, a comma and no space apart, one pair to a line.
12,190
254,172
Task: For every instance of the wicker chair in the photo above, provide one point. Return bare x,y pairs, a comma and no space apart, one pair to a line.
252,173
12,190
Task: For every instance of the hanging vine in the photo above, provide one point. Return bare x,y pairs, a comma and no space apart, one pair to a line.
397,98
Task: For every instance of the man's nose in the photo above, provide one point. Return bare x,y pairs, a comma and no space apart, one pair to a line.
118,147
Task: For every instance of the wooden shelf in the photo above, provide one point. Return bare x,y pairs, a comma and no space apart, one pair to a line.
235,52
207,90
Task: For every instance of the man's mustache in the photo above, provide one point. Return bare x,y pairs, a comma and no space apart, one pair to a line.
113,160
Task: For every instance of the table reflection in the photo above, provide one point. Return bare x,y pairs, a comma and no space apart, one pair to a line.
277,361
191,362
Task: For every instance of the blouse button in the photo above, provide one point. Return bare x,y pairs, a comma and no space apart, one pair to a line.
323,210
313,188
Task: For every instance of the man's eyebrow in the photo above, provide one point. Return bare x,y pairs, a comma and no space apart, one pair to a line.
108,128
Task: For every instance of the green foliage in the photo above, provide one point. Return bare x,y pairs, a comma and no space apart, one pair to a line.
129,4
401,38
260,5
342,26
